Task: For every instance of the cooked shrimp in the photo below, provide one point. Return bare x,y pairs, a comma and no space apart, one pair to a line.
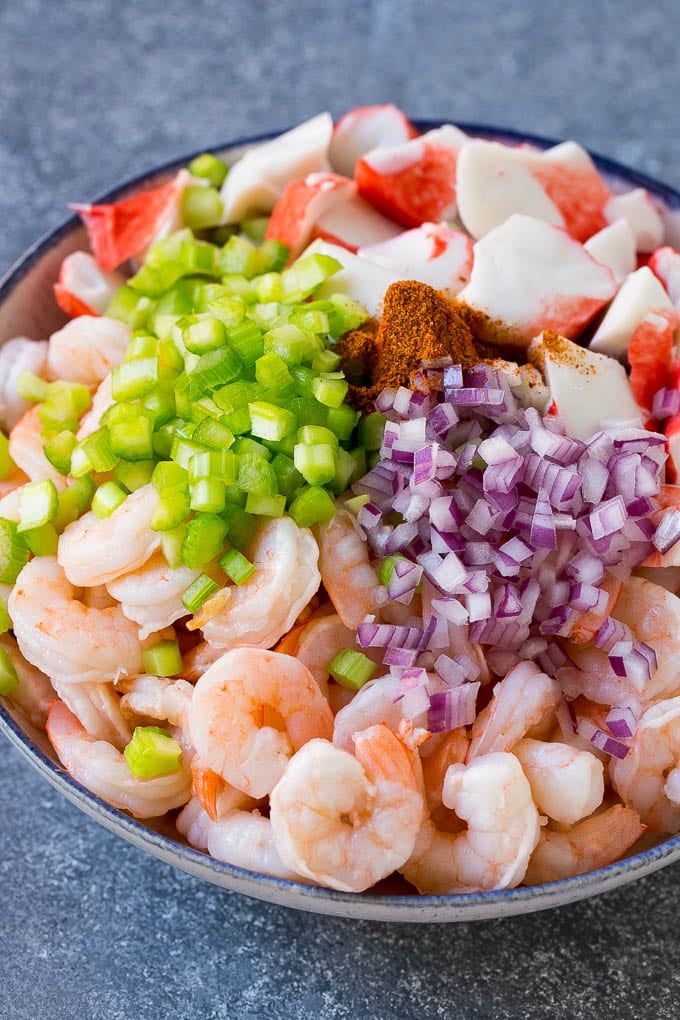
193,822
216,796
9,506
373,703
156,697
665,577
100,768
347,821
61,636
592,843
493,796
151,596
523,700
567,785
10,485
26,450
260,611
246,840
589,623
251,711
452,750
97,708
96,551
34,693
16,356
87,348
653,615
101,402
199,659
348,577
646,779
97,598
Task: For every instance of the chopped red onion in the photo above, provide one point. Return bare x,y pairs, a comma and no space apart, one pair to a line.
497,450
603,741
665,403
442,418
594,478
621,722
667,533
450,609
453,708
586,568
404,657
542,534
369,515
478,606
608,518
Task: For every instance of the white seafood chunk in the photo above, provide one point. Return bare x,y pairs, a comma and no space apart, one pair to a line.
493,182
366,128
361,280
640,294
532,276
645,221
431,253
257,179
614,246
665,264
587,389
354,223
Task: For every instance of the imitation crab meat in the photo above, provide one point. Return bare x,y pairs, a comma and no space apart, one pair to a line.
533,276
302,203
415,182
432,253
641,294
258,178
364,129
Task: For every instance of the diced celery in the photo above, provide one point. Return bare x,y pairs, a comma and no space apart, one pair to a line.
132,440
31,387
38,504
202,333
255,474
133,379
203,540
133,476
330,392
238,257
42,541
351,669
326,361
271,422
316,464
236,566
208,495
172,508
310,435
308,273
58,451
312,505
209,167
265,506
9,679
342,420
213,434
152,751
14,552
271,371
201,207
200,589
171,546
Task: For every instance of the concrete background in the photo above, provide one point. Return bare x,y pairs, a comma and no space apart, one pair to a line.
93,90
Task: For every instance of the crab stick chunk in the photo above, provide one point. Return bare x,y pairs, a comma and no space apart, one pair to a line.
431,253
366,128
359,279
640,294
586,389
533,276
415,182
122,230
650,355
83,288
665,264
354,224
493,181
572,181
256,180
642,215
302,203
560,186
614,246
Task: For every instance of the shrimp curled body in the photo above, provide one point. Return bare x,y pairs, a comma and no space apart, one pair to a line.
64,638
347,821
251,711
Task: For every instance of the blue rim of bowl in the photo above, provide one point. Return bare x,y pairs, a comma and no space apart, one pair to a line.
168,849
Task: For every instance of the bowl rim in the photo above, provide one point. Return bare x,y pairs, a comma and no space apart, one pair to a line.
310,897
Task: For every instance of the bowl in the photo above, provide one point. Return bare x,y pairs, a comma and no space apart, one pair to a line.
27,307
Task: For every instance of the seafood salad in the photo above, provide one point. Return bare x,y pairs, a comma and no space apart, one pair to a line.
339,523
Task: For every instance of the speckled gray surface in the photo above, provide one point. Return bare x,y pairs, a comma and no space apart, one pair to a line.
91,90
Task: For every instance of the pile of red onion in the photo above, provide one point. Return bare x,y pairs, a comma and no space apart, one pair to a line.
507,526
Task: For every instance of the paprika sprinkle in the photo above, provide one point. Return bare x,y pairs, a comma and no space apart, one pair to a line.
417,324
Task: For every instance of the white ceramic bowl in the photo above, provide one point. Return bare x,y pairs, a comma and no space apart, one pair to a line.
27,307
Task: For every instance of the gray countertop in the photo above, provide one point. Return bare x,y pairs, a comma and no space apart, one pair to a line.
93,90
